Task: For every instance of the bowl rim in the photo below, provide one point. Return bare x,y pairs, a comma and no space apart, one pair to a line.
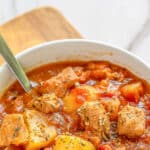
86,41
117,48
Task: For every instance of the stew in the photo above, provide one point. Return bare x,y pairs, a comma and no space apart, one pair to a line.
77,106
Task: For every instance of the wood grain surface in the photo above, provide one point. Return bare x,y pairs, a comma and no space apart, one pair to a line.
37,26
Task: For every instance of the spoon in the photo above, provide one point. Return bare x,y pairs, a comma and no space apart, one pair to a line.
14,65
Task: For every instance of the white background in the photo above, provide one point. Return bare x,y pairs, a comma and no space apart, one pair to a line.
125,23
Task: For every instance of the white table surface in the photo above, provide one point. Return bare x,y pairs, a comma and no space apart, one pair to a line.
125,23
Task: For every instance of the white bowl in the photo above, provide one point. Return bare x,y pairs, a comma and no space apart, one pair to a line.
76,49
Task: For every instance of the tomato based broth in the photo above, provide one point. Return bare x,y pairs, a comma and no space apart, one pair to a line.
80,105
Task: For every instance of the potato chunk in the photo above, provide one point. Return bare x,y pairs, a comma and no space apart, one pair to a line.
94,118
47,103
133,91
40,133
78,96
60,83
131,121
66,142
112,107
13,130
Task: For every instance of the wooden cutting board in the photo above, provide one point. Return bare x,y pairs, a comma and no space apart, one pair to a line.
35,27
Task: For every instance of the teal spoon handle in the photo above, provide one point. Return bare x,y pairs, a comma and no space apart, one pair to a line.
14,65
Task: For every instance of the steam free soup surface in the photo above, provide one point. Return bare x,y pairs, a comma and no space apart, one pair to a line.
77,106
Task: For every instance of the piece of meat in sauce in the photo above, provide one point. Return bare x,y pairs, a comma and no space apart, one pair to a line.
13,130
47,103
131,121
112,107
60,83
93,117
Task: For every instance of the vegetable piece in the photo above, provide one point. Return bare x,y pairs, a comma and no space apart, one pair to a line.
40,133
13,130
111,106
78,96
131,121
104,147
60,83
70,103
93,117
66,142
133,91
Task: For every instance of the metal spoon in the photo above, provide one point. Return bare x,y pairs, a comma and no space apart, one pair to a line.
14,65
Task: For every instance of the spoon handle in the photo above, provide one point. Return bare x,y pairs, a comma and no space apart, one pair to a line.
14,65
